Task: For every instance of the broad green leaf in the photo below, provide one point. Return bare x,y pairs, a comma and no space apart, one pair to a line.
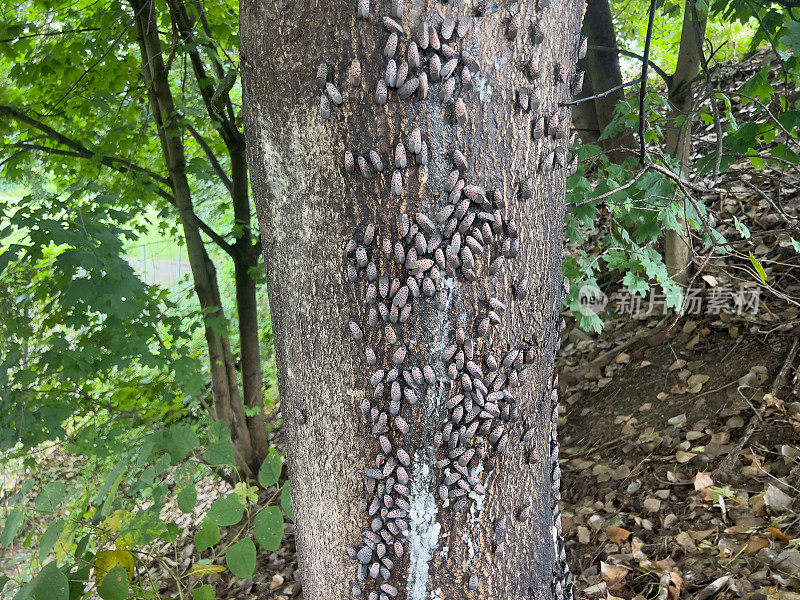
226,511
115,585
184,440
204,592
220,454
268,528
286,501
207,536
187,498
49,537
270,470
247,494
13,521
241,558
51,584
50,497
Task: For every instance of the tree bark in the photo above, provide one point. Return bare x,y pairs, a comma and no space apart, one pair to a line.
602,74
678,137
503,537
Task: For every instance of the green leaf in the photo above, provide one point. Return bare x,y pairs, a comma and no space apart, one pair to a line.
204,592
187,498
741,227
49,537
268,528
51,584
226,511
207,536
286,501
796,245
50,497
759,269
115,585
241,558
184,440
220,454
270,470
13,521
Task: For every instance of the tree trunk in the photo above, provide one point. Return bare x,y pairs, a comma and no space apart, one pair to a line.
502,537
603,73
678,137
224,379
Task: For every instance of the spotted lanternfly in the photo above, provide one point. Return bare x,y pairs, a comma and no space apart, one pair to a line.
449,68
322,75
521,289
470,61
447,90
333,93
532,69
363,167
391,73
514,25
423,35
425,223
299,416
400,160
422,155
435,68
466,79
397,9
324,107
391,46
538,128
473,582
435,43
538,33
463,27
547,162
408,88
536,99
381,92
363,9
349,162
361,257
558,157
392,25
448,52
583,47
399,356
483,327
402,74
375,160
460,504
371,358
460,160
413,55
561,73
552,126
448,25
523,99
415,145
526,188
372,272
355,331
423,86
577,83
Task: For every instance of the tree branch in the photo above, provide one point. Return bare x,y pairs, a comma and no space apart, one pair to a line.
211,157
602,94
661,72
117,164
643,88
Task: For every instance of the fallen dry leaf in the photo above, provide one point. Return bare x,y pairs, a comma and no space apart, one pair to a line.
702,481
616,534
613,575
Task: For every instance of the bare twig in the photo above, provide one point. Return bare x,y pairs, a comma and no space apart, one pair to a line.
602,94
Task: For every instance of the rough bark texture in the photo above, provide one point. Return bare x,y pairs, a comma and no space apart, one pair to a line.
310,208
678,137
602,73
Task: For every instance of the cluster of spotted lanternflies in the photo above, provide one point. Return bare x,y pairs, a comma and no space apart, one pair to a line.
481,410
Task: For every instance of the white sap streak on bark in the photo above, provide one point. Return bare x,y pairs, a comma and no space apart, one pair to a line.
424,530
